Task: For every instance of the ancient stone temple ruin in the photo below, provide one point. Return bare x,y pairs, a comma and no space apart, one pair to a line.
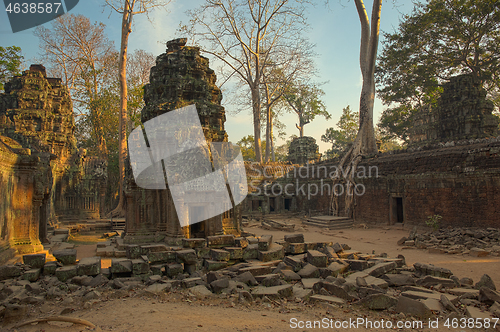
43,177
180,78
462,112
453,171
303,150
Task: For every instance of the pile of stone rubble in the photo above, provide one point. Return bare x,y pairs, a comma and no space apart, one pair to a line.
466,241
248,268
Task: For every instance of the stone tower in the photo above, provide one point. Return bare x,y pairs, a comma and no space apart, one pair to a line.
180,78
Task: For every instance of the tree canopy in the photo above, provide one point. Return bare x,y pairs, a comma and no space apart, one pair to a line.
10,63
342,138
439,39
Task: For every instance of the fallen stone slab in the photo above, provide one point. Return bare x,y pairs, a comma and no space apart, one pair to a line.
89,266
201,291
219,255
379,301
478,252
335,290
257,270
190,282
161,257
289,275
271,280
50,268
427,269
66,272
235,253
296,248
32,275
251,252
247,278
36,261
220,241
274,253
309,271
349,254
488,296
173,269
410,306
429,281
435,296
121,265
379,269
357,264
140,266
445,301
187,256
317,258
327,299
275,291
294,238
468,292
301,293
211,265
241,242
308,283
473,312
194,243
485,281
265,242
295,261
398,280
65,256
337,268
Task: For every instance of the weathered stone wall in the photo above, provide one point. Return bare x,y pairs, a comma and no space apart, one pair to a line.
462,112
180,78
44,178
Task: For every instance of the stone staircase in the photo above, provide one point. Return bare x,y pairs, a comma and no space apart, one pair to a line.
118,224
330,222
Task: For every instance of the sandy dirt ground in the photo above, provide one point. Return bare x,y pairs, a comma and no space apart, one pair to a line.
129,311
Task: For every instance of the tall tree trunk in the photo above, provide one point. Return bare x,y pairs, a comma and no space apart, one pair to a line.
256,121
271,139
122,148
365,143
268,123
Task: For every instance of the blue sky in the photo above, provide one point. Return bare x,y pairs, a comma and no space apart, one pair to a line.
335,29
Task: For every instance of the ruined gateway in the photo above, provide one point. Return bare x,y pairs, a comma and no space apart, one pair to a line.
180,78
451,169
44,178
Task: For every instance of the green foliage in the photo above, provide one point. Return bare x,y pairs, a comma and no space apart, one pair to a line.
434,221
247,144
304,100
10,63
441,38
342,138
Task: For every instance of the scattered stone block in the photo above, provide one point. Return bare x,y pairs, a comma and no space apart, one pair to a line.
173,269
398,280
269,280
275,291
219,255
337,247
357,265
317,258
257,270
379,301
50,268
488,296
162,257
32,275
473,312
265,242
133,251
485,281
159,288
327,299
89,266
337,268
65,256
379,269
9,271
296,248
296,262
211,265
247,278
139,266
202,253
251,252
241,242
274,253
220,241
187,256
424,296
194,243
235,253
308,283
289,275
121,265
190,282
445,301
66,272
200,291
294,238
427,269
429,281
309,271
410,306
478,252
36,261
